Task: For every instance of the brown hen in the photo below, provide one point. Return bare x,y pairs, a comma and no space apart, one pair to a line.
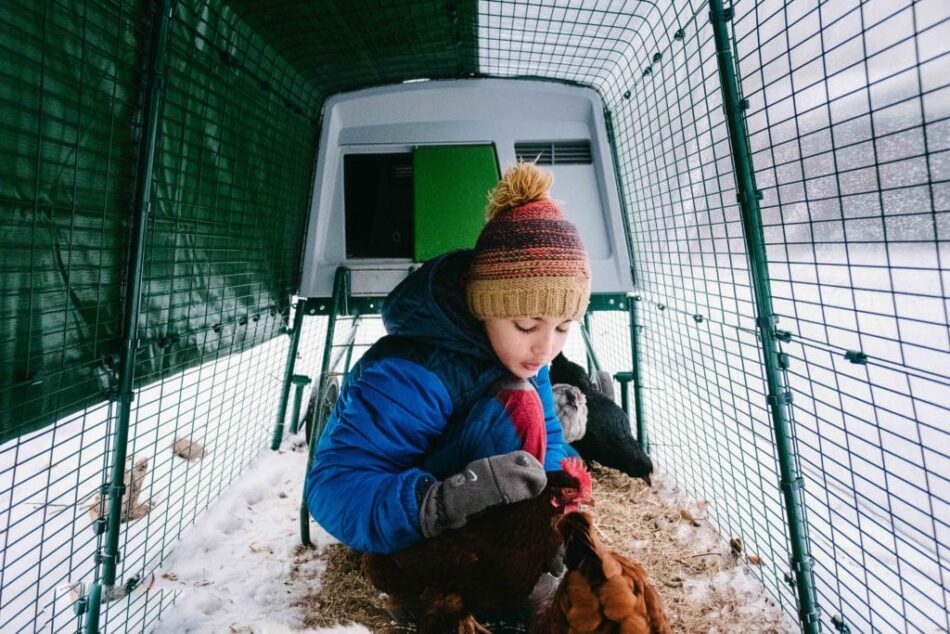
602,591
489,565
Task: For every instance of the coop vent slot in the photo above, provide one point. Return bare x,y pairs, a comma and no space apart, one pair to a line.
555,152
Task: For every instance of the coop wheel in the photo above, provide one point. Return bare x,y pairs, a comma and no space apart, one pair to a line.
329,400
603,383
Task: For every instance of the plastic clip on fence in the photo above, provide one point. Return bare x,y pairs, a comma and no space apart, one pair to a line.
108,556
778,395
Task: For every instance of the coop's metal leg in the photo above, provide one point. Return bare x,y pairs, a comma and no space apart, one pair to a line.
278,434
593,363
349,347
639,418
300,382
341,290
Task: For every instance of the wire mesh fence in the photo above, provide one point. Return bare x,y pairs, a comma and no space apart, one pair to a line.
848,120
232,176
846,107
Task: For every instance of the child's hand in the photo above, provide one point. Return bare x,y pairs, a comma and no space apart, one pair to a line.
484,483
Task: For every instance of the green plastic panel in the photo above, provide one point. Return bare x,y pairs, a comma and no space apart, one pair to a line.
451,188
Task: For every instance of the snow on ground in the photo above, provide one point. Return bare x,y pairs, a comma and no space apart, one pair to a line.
233,569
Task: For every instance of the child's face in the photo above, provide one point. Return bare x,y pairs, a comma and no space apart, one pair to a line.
524,344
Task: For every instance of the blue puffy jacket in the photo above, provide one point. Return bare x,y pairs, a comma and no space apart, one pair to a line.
375,459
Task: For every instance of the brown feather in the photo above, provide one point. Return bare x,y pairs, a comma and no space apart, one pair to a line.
603,591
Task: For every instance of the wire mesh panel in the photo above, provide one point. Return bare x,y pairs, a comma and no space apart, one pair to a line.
193,433
233,182
849,124
223,239
67,108
703,385
67,120
337,45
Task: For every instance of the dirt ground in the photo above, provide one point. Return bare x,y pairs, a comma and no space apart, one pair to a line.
706,584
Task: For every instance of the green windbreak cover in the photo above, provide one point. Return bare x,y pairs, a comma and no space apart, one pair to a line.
232,183
233,180
339,45
451,185
68,101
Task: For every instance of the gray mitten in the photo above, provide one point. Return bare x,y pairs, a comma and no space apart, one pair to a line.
487,482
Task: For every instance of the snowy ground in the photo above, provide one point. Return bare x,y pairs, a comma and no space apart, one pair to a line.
239,570
233,569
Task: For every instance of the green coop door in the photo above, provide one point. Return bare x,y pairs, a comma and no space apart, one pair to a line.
451,185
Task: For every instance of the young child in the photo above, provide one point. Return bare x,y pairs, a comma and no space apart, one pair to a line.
452,412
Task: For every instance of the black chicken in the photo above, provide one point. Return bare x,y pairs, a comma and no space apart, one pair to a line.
608,438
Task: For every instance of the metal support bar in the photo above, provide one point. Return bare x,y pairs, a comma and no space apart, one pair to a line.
639,418
108,556
288,373
349,347
624,378
300,382
749,197
624,208
340,305
593,364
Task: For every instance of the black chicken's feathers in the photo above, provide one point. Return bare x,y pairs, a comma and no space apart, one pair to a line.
607,438
564,370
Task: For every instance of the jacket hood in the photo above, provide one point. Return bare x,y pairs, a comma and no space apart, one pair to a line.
430,305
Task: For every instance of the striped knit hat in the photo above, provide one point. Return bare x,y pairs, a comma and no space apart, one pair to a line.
529,261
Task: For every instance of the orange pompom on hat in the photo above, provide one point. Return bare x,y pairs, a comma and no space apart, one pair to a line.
529,261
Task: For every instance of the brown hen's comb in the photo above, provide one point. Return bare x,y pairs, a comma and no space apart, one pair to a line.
575,468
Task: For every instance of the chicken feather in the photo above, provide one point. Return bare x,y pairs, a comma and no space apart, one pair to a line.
602,592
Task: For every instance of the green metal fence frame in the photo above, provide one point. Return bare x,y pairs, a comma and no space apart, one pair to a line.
108,556
778,396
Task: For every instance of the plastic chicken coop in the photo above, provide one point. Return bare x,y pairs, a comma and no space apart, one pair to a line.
764,188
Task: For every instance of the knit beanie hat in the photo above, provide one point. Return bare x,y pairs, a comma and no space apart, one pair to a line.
529,261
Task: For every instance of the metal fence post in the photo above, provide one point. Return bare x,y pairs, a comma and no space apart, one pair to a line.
779,398
107,556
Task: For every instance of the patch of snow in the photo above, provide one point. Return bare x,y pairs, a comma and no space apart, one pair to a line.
232,570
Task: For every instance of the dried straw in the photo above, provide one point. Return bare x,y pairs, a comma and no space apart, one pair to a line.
694,571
